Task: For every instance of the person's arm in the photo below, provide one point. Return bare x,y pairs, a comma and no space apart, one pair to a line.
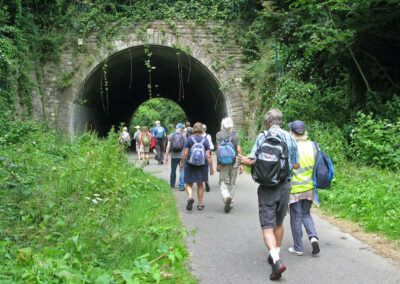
218,164
210,162
184,155
167,151
239,151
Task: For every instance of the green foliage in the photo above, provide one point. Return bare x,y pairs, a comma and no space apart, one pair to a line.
79,212
375,141
167,111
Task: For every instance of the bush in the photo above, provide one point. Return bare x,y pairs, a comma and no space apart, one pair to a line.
375,141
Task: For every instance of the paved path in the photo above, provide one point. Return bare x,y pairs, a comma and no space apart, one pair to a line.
228,248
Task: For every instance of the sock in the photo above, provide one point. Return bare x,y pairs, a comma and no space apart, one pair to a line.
314,239
274,254
279,250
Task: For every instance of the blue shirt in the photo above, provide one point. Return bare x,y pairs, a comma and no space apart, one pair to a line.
286,137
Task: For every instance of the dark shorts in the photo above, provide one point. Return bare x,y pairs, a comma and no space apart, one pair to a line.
272,204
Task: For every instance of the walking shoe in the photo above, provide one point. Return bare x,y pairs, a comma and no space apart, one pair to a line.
270,261
295,252
182,189
227,207
207,187
315,247
277,269
189,204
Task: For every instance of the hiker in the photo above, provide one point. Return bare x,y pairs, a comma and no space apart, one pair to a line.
159,135
273,200
188,129
176,142
228,147
302,194
136,137
208,136
125,137
197,158
153,141
144,142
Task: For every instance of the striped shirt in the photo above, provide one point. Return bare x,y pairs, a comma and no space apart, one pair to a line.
287,138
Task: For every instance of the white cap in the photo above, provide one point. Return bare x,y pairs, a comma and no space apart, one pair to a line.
227,123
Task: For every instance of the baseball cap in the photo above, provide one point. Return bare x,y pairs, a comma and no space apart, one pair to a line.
179,125
297,127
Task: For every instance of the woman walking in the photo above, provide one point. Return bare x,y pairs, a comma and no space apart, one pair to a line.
302,194
144,142
197,148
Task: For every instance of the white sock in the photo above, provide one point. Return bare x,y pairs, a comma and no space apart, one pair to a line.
274,254
314,239
279,250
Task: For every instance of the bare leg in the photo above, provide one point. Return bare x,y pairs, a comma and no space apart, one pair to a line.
200,192
189,190
269,238
278,231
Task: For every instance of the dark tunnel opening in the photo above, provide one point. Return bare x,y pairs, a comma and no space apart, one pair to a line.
127,80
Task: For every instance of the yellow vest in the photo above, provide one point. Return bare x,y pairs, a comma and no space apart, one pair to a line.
302,177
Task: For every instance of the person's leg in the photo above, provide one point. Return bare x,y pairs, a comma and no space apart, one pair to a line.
296,225
160,150
181,178
233,173
200,192
223,181
307,219
174,164
189,190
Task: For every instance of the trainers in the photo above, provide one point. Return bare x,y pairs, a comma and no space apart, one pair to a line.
277,269
295,252
315,247
270,261
207,187
182,189
227,207
189,204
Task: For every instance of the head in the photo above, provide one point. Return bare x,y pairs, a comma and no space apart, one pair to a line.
144,129
158,123
197,128
137,127
124,128
179,127
187,124
273,117
227,123
298,130
204,127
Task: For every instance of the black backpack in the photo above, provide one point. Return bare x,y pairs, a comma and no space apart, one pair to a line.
271,166
177,142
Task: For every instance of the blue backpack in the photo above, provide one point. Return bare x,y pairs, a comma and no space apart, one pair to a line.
160,132
226,151
323,169
197,154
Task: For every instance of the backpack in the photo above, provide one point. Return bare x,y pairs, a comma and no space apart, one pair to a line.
226,151
145,139
272,161
323,169
197,153
125,137
160,132
189,131
177,142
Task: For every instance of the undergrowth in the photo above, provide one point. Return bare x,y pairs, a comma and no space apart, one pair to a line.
78,212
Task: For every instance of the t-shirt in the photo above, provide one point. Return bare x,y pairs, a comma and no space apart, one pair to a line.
176,155
136,136
226,134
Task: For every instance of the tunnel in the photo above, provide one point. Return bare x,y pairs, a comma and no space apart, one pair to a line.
116,87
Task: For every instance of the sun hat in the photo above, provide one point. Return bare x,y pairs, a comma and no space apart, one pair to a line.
137,127
297,127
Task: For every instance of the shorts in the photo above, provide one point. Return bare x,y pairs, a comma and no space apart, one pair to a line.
144,149
273,204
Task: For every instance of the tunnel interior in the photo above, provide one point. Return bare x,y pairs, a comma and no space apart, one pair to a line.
114,89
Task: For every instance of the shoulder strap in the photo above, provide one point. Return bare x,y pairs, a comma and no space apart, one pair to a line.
192,138
231,136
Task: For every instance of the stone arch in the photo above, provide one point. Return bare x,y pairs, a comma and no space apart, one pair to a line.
159,37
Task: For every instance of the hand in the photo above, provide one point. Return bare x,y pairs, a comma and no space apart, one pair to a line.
218,168
180,168
211,171
166,160
240,169
241,158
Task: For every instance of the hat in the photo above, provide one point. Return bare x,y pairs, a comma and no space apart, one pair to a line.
297,127
227,123
137,126
179,125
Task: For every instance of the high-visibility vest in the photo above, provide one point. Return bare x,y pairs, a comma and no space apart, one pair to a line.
303,177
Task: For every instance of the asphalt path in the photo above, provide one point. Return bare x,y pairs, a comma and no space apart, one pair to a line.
228,248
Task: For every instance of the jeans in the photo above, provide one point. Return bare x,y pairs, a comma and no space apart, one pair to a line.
300,214
174,165
160,150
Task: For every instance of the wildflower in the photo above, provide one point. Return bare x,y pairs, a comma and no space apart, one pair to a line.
94,201
389,124
88,198
53,168
148,180
98,198
96,194
91,209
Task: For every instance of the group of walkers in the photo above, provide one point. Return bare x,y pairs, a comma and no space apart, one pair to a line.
281,162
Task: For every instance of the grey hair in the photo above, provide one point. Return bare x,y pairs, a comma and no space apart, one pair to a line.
274,117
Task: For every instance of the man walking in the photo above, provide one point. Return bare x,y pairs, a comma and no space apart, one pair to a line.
136,137
228,147
159,134
176,142
273,201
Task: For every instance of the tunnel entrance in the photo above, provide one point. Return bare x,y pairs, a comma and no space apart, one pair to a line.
113,91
